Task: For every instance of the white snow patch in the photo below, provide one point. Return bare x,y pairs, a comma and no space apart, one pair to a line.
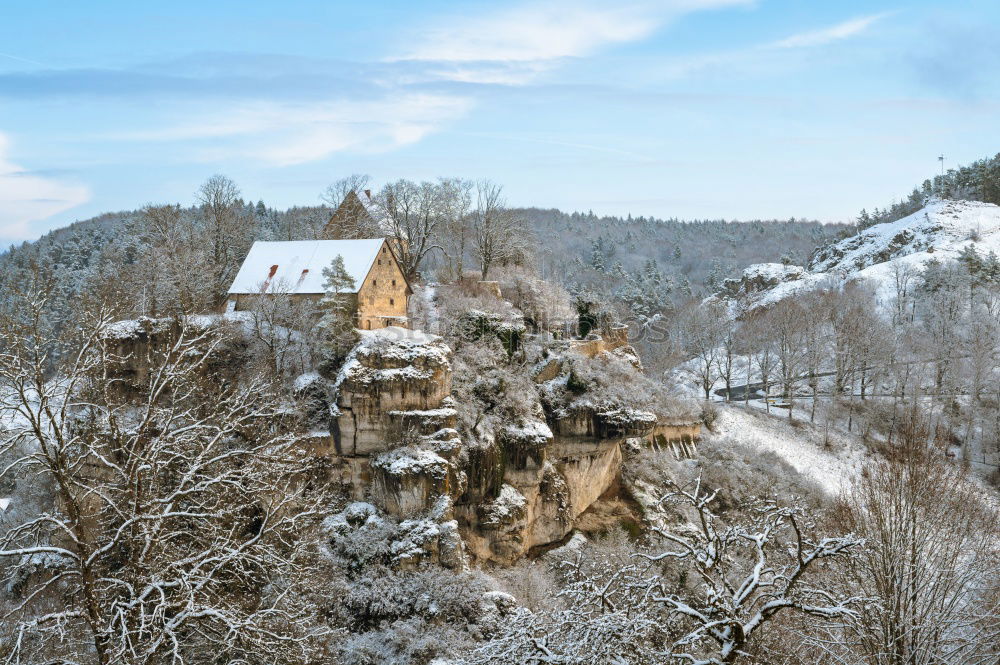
940,230
576,543
834,471
535,431
411,461
303,381
508,504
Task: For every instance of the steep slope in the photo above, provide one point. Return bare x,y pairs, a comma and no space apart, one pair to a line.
941,230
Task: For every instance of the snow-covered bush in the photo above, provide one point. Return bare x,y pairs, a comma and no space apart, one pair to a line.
609,382
470,315
410,641
360,536
489,391
411,616
380,594
546,305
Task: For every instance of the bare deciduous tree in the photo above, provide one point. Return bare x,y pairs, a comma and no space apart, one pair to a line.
786,321
930,561
498,234
413,216
178,510
702,329
456,231
747,574
229,232
174,274
705,602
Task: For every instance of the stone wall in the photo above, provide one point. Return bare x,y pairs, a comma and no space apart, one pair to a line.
383,296
615,337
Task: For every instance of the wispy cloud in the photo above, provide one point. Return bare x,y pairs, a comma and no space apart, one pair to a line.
833,33
533,32
289,133
26,197
769,55
515,44
18,58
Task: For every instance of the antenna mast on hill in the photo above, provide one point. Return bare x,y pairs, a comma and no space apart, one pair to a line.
941,159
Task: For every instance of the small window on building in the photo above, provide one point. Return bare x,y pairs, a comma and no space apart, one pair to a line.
391,302
394,282
380,261
383,250
368,325
374,282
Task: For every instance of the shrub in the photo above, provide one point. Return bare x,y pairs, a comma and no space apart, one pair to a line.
709,414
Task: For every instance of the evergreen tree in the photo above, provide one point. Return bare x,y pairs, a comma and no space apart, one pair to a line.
596,256
338,313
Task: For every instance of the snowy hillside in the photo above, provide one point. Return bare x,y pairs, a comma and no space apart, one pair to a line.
832,467
941,230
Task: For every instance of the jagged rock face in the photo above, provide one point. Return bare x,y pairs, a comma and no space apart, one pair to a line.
538,505
408,480
393,423
605,424
761,277
517,487
391,382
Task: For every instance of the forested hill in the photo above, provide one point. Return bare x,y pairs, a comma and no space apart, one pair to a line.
692,257
978,181
647,266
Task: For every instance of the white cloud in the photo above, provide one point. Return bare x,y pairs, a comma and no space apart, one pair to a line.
287,133
541,33
830,34
27,198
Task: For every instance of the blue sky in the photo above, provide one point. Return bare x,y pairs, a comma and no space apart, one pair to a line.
687,108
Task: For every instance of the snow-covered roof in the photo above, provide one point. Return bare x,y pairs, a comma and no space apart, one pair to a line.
296,266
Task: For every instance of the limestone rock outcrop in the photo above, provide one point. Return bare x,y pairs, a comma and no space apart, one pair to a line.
519,485
395,379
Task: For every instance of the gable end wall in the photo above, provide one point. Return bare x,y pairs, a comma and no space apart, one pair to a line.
380,303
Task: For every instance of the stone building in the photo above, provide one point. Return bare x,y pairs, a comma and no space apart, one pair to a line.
356,215
295,269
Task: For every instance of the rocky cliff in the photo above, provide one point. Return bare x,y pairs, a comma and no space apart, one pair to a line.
387,427
518,486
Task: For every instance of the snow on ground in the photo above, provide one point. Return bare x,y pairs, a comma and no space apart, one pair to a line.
947,226
832,468
398,334
940,230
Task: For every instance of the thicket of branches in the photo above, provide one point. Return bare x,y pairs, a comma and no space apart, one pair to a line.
934,341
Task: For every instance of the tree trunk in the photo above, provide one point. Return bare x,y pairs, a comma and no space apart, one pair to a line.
746,389
812,411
